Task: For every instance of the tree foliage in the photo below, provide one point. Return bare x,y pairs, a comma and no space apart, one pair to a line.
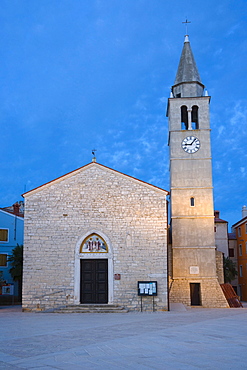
16,261
230,271
1,277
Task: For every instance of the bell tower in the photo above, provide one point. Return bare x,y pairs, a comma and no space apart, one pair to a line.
193,275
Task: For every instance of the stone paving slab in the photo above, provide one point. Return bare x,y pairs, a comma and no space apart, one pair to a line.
195,338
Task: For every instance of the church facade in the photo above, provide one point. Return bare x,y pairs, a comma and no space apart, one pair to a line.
97,236
90,236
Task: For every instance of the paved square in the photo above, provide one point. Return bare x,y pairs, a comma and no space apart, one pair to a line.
196,338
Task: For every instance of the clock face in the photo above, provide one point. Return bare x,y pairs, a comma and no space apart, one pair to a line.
191,144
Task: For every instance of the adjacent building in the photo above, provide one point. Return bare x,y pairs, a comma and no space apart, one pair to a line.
240,228
11,235
232,247
221,234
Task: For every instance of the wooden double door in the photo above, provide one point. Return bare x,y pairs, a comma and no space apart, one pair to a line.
94,281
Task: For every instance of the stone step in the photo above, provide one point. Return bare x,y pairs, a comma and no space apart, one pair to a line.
92,308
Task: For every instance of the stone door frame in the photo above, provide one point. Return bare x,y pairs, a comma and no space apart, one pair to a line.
79,256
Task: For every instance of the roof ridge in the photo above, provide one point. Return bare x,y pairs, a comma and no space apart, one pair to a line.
88,165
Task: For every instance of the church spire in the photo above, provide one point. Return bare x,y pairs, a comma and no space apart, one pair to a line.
187,82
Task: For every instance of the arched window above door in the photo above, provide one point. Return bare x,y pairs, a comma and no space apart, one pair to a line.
93,244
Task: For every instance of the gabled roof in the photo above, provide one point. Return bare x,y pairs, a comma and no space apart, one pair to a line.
87,166
16,209
187,69
232,236
219,220
21,217
243,221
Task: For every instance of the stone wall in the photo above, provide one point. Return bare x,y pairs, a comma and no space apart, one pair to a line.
211,292
130,214
220,266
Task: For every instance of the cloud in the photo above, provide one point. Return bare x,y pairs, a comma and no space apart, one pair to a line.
233,29
141,104
243,171
120,158
163,100
217,165
220,130
115,134
239,114
218,52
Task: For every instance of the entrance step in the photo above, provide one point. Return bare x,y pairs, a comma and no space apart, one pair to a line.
92,308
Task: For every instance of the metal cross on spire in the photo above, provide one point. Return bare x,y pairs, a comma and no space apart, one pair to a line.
186,25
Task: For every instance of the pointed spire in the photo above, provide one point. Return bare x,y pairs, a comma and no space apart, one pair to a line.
187,74
187,69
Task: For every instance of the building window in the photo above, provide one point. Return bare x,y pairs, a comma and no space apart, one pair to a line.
4,235
239,231
184,118
3,260
246,247
194,118
245,228
241,271
192,202
231,252
240,250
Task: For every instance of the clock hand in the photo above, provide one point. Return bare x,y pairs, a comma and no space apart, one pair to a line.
192,142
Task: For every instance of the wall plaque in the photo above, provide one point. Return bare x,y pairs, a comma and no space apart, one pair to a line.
194,270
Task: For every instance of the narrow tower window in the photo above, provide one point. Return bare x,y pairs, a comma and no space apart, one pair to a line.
184,118
192,202
194,118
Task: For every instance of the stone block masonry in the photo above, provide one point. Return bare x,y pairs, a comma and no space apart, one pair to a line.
129,213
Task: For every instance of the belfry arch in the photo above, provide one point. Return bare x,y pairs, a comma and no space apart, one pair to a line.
194,118
184,117
189,117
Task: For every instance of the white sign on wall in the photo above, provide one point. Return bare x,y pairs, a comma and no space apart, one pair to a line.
194,270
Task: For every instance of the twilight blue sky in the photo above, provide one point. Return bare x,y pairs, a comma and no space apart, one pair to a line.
77,75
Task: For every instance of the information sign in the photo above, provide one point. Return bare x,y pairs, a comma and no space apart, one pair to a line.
147,288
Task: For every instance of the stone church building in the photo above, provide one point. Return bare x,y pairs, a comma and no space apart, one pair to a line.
98,237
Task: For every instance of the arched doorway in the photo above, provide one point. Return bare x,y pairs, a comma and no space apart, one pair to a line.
93,269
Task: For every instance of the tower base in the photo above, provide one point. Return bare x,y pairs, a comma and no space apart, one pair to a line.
197,292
